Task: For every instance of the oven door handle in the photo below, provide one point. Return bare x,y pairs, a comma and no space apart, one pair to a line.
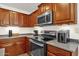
39,44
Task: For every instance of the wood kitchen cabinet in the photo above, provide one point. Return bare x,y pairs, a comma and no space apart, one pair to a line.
22,45
33,19
55,51
10,50
15,46
44,7
64,13
41,9
23,20
19,19
50,54
26,20
4,17
12,18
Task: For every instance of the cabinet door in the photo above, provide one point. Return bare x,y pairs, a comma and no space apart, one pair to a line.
13,18
41,8
27,45
17,46
26,20
10,50
33,19
23,20
4,17
22,45
20,19
50,54
58,51
63,12
45,7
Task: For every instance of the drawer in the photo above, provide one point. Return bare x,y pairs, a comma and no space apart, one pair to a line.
58,51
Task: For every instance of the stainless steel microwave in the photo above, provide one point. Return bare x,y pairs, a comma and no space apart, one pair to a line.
45,18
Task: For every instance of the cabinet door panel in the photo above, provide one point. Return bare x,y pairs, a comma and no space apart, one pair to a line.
20,48
63,13
32,20
10,50
17,46
50,54
25,20
45,7
58,51
20,19
4,17
13,18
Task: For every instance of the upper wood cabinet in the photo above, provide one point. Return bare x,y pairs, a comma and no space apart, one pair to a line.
19,19
44,7
4,17
64,13
26,21
12,18
22,20
33,18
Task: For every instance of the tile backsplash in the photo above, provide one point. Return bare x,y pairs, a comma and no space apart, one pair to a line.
74,29
4,30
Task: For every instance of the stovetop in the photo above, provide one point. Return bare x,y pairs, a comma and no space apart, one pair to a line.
44,38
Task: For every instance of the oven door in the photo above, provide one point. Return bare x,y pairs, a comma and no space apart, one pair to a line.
37,48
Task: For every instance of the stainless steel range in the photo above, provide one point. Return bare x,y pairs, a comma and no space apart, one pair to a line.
38,44
37,47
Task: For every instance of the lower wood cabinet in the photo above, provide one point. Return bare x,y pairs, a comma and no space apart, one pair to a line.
50,54
55,51
15,46
10,50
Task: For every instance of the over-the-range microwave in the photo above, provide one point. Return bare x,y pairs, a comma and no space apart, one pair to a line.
45,18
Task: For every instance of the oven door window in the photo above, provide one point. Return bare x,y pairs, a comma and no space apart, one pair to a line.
37,50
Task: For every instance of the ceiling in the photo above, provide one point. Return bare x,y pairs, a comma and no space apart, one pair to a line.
21,7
